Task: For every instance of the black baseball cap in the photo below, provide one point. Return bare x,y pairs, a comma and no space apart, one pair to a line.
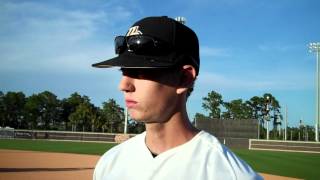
183,43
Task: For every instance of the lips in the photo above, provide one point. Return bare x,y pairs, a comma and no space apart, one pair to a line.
130,103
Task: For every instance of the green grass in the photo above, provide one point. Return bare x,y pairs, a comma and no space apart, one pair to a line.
292,164
299,165
56,146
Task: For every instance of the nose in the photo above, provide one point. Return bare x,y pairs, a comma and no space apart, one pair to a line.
126,84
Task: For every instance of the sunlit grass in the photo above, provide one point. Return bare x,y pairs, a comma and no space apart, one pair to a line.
299,165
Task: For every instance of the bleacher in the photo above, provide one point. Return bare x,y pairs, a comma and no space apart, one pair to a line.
275,145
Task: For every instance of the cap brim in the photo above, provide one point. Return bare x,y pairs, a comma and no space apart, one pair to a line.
130,60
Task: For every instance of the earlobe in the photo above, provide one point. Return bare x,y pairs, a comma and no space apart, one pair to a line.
188,75
181,90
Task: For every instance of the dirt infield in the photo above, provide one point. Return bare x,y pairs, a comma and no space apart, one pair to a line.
31,165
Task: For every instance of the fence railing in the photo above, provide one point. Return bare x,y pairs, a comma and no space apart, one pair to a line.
63,135
293,146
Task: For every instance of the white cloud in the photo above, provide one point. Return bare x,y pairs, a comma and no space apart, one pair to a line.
213,52
38,36
277,47
255,82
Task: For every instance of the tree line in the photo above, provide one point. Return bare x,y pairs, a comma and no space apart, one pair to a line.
262,108
44,111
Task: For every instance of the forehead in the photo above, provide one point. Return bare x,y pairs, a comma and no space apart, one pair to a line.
154,74
148,70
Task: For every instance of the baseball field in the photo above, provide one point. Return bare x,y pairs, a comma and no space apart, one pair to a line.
289,164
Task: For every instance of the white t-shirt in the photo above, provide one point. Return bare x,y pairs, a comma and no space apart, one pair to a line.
203,158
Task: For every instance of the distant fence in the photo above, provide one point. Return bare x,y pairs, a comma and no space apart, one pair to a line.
63,135
6,132
239,143
232,133
294,146
229,128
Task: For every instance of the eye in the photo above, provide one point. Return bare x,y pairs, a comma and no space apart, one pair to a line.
153,74
133,73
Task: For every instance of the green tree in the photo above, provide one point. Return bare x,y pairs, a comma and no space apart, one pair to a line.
12,109
82,117
50,109
74,119
69,105
198,116
112,117
274,109
32,111
264,108
43,110
135,127
294,133
236,109
2,109
256,103
95,118
212,103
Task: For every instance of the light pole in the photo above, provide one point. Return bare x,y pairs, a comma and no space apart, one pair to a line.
315,48
258,128
286,123
267,116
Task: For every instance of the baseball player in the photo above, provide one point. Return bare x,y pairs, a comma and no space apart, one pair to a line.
159,61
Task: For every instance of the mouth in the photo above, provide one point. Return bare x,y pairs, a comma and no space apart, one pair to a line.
130,103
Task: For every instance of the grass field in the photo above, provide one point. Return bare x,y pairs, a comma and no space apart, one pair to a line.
56,146
299,165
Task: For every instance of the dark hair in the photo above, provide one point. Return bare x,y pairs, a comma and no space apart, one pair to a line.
190,89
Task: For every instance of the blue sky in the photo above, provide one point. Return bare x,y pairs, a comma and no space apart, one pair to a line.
247,47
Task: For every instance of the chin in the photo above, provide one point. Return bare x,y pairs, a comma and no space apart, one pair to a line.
139,116
135,116
138,119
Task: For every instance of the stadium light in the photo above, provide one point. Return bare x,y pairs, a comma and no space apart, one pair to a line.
286,123
267,116
181,20
315,48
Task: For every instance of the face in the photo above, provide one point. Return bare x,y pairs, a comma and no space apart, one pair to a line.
150,94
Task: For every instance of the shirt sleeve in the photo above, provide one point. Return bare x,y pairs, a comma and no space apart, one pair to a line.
240,169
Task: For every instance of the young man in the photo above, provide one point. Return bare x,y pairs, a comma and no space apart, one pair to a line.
159,60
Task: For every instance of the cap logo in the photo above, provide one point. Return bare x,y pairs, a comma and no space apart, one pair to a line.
134,31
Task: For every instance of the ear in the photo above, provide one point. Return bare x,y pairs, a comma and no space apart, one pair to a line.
187,77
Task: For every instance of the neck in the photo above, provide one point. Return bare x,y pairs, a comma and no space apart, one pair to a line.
177,130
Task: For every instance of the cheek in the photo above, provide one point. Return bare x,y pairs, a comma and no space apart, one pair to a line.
156,102
162,100
162,94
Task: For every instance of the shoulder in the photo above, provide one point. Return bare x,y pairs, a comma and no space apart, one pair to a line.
131,143
223,158
209,143
115,154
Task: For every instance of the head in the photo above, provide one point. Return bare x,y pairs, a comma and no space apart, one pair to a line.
157,56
